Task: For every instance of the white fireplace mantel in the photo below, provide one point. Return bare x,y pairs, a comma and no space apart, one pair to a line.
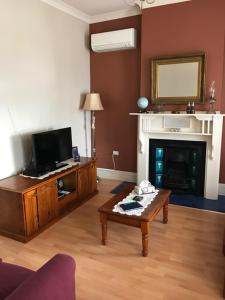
190,127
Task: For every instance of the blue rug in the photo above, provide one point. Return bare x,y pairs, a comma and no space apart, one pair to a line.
119,188
199,202
186,200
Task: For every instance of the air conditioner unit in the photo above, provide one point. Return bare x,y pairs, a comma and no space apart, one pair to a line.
114,40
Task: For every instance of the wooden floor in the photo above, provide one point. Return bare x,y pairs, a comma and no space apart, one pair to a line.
185,259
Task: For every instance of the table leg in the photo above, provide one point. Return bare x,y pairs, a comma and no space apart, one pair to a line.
165,211
144,230
103,220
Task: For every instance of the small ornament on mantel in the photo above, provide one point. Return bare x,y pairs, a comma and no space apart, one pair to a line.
188,110
212,98
142,104
158,108
193,108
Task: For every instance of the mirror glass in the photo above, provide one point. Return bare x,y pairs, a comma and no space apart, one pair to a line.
178,80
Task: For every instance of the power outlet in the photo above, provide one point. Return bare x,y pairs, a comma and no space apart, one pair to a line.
115,152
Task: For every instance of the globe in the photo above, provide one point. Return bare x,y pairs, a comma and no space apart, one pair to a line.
142,103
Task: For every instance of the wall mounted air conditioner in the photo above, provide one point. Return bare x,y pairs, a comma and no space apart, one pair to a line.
114,40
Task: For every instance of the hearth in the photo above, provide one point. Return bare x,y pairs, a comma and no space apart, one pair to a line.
178,165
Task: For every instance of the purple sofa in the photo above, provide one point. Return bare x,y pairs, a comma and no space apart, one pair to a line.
54,281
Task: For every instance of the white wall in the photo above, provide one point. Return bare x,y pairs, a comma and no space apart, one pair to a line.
44,72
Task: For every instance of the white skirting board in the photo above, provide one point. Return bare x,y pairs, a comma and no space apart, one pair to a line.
132,177
222,189
117,175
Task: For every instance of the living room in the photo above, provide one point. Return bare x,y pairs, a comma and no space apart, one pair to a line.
47,69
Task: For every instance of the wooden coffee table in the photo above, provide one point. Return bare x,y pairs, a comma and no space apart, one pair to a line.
142,222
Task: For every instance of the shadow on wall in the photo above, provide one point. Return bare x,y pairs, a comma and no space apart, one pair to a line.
21,145
87,41
82,100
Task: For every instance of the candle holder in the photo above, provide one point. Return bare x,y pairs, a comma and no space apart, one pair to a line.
158,108
212,98
211,105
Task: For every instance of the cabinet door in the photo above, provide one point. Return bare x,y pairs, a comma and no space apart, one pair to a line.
92,178
47,203
83,182
87,181
31,215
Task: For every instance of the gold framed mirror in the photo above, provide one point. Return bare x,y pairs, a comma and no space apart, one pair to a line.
178,80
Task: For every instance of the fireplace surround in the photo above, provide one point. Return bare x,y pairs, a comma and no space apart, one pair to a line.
199,127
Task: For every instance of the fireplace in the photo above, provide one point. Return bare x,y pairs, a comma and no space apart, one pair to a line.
198,127
178,165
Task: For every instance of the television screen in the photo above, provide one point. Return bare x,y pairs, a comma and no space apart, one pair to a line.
51,147
64,146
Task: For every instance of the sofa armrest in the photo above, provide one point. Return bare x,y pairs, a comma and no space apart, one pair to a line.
54,281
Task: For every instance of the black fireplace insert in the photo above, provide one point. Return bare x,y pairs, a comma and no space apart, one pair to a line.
178,165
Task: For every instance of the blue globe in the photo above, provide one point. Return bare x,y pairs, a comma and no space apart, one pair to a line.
142,103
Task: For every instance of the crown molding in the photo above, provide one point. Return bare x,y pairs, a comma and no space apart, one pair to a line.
130,11
160,3
68,9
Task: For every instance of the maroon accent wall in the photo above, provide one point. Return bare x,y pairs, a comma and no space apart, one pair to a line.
116,76
222,164
195,26
183,28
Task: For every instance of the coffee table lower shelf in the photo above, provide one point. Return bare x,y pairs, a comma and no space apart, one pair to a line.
106,214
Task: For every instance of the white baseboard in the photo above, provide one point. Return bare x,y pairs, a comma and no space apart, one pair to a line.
132,177
222,189
117,175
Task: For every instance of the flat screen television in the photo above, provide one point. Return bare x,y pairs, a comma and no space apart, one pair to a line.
50,148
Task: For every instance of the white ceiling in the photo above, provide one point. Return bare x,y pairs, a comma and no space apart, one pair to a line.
96,7
93,11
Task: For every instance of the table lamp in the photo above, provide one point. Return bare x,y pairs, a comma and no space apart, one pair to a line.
93,103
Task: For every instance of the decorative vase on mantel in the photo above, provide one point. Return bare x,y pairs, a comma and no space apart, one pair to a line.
212,98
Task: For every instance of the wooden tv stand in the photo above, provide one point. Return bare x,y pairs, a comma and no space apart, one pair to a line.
28,206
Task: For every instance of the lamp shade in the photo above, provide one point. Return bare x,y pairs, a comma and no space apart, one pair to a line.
93,102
